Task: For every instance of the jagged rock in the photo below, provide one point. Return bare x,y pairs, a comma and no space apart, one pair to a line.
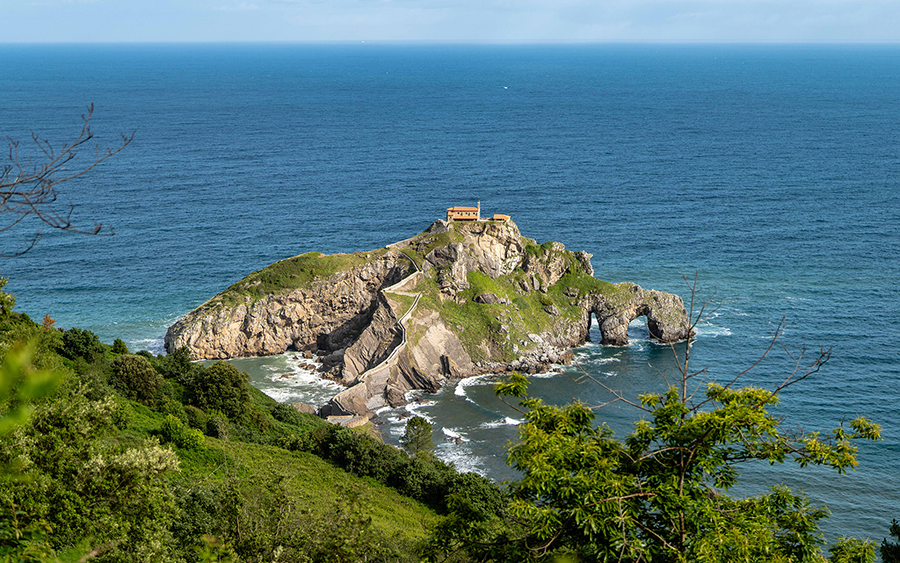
395,397
376,342
487,298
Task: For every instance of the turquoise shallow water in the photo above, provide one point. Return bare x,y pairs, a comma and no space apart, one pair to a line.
771,170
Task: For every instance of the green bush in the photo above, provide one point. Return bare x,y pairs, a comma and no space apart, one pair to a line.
890,550
177,366
77,343
174,431
221,386
476,498
135,378
119,347
425,479
176,409
217,425
287,414
196,418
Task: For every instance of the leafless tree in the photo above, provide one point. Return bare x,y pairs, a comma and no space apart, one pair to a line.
29,188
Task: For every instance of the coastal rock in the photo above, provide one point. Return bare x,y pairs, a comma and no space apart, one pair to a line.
329,313
414,315
487,298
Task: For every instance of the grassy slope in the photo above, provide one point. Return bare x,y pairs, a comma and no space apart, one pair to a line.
315,484
294,273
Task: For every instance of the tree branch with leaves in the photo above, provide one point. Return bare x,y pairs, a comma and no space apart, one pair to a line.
661,493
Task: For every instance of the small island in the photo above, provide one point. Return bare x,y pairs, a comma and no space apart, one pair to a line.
466,296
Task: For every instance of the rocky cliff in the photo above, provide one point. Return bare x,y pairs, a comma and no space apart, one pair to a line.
458,299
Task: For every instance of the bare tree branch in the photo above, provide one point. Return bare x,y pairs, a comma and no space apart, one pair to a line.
30,189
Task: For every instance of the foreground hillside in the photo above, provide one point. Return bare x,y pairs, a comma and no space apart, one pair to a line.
118,457
131,457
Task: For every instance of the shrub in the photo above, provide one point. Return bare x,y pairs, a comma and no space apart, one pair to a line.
221,386
260,420
217,425
123,416
135,378
476,498
176,409
178,366
196,418
77,343
287,414
174,431
119,347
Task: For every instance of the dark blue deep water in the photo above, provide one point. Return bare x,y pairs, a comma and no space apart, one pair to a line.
771,170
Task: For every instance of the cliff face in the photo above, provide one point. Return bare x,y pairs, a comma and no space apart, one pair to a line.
458,299
328,313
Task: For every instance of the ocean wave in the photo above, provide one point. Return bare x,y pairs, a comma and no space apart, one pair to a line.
709,330
155,345
461,457
454,434
506,421
483,379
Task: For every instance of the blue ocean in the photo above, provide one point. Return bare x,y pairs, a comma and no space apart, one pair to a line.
770,172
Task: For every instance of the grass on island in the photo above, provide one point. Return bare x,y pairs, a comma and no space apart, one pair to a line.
294,273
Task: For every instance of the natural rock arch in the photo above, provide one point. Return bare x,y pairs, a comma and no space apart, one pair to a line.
665,312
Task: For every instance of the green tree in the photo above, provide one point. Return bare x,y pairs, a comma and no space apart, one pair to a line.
221,386
135,378
417,439
890,551
119,347
851,550
7,301
84,344
68,486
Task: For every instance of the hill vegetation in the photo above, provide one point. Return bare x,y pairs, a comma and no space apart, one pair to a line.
132,457
112,456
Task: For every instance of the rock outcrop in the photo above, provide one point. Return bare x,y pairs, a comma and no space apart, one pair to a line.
326,314
456,300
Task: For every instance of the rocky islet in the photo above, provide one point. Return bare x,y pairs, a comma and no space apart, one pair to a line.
459,299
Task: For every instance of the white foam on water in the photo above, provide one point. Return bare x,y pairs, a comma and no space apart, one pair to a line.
506,421
461,456
282,395
414,409
543,375
460,389
282,378
154,345
710,330
453,433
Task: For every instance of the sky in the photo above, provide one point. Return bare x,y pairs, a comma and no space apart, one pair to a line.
466,21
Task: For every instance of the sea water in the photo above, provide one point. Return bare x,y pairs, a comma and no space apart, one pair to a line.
772,171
